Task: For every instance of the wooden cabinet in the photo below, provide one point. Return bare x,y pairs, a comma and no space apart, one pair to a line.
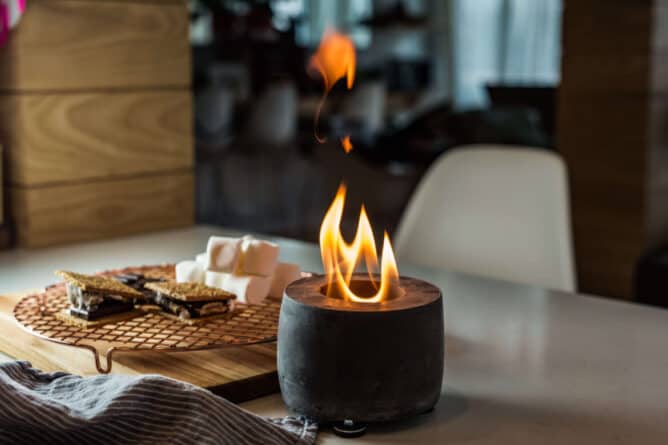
101,44
2,192
96,118
5,239
70,137
612,111
101,209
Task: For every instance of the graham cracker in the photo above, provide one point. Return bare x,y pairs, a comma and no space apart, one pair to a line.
71,320
99,284
189,291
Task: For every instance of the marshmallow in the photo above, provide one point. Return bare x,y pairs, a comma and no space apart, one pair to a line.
223,253
203,259
189,271
284,274
259,257
215,279
251,289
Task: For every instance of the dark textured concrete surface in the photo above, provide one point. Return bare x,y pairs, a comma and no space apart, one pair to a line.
362,365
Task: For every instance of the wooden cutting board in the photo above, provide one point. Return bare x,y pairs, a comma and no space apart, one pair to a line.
237,373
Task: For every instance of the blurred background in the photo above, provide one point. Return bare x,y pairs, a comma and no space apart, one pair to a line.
122,117
431,75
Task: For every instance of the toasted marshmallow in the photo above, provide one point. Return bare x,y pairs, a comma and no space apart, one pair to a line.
215,279
258,258
223,253
250,289
203,260
189,271
284,274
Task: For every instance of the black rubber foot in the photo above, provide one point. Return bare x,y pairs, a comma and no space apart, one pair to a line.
349,429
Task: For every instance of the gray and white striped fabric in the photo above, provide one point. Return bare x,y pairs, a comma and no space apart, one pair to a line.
38,407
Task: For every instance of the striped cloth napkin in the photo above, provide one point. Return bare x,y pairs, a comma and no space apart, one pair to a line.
38,407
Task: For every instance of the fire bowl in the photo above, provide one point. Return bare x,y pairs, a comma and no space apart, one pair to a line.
366,362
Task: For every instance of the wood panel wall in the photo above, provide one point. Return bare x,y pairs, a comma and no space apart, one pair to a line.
102,44
96,117
70,137
91,210
611,130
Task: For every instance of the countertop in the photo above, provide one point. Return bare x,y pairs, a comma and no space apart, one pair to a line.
524,365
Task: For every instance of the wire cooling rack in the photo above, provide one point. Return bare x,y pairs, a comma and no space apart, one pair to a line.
246,325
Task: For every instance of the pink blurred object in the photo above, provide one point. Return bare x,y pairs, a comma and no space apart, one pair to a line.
4,23
10,13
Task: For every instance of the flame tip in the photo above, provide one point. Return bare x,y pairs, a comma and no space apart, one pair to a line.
334,59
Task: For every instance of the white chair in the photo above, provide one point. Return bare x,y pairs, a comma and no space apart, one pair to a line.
501,212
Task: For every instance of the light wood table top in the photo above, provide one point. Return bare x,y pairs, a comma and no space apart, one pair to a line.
523,365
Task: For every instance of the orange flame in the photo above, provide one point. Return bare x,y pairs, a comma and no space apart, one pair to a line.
340,259
346,144
334,59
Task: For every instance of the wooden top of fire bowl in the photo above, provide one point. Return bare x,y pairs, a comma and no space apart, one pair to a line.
414,293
